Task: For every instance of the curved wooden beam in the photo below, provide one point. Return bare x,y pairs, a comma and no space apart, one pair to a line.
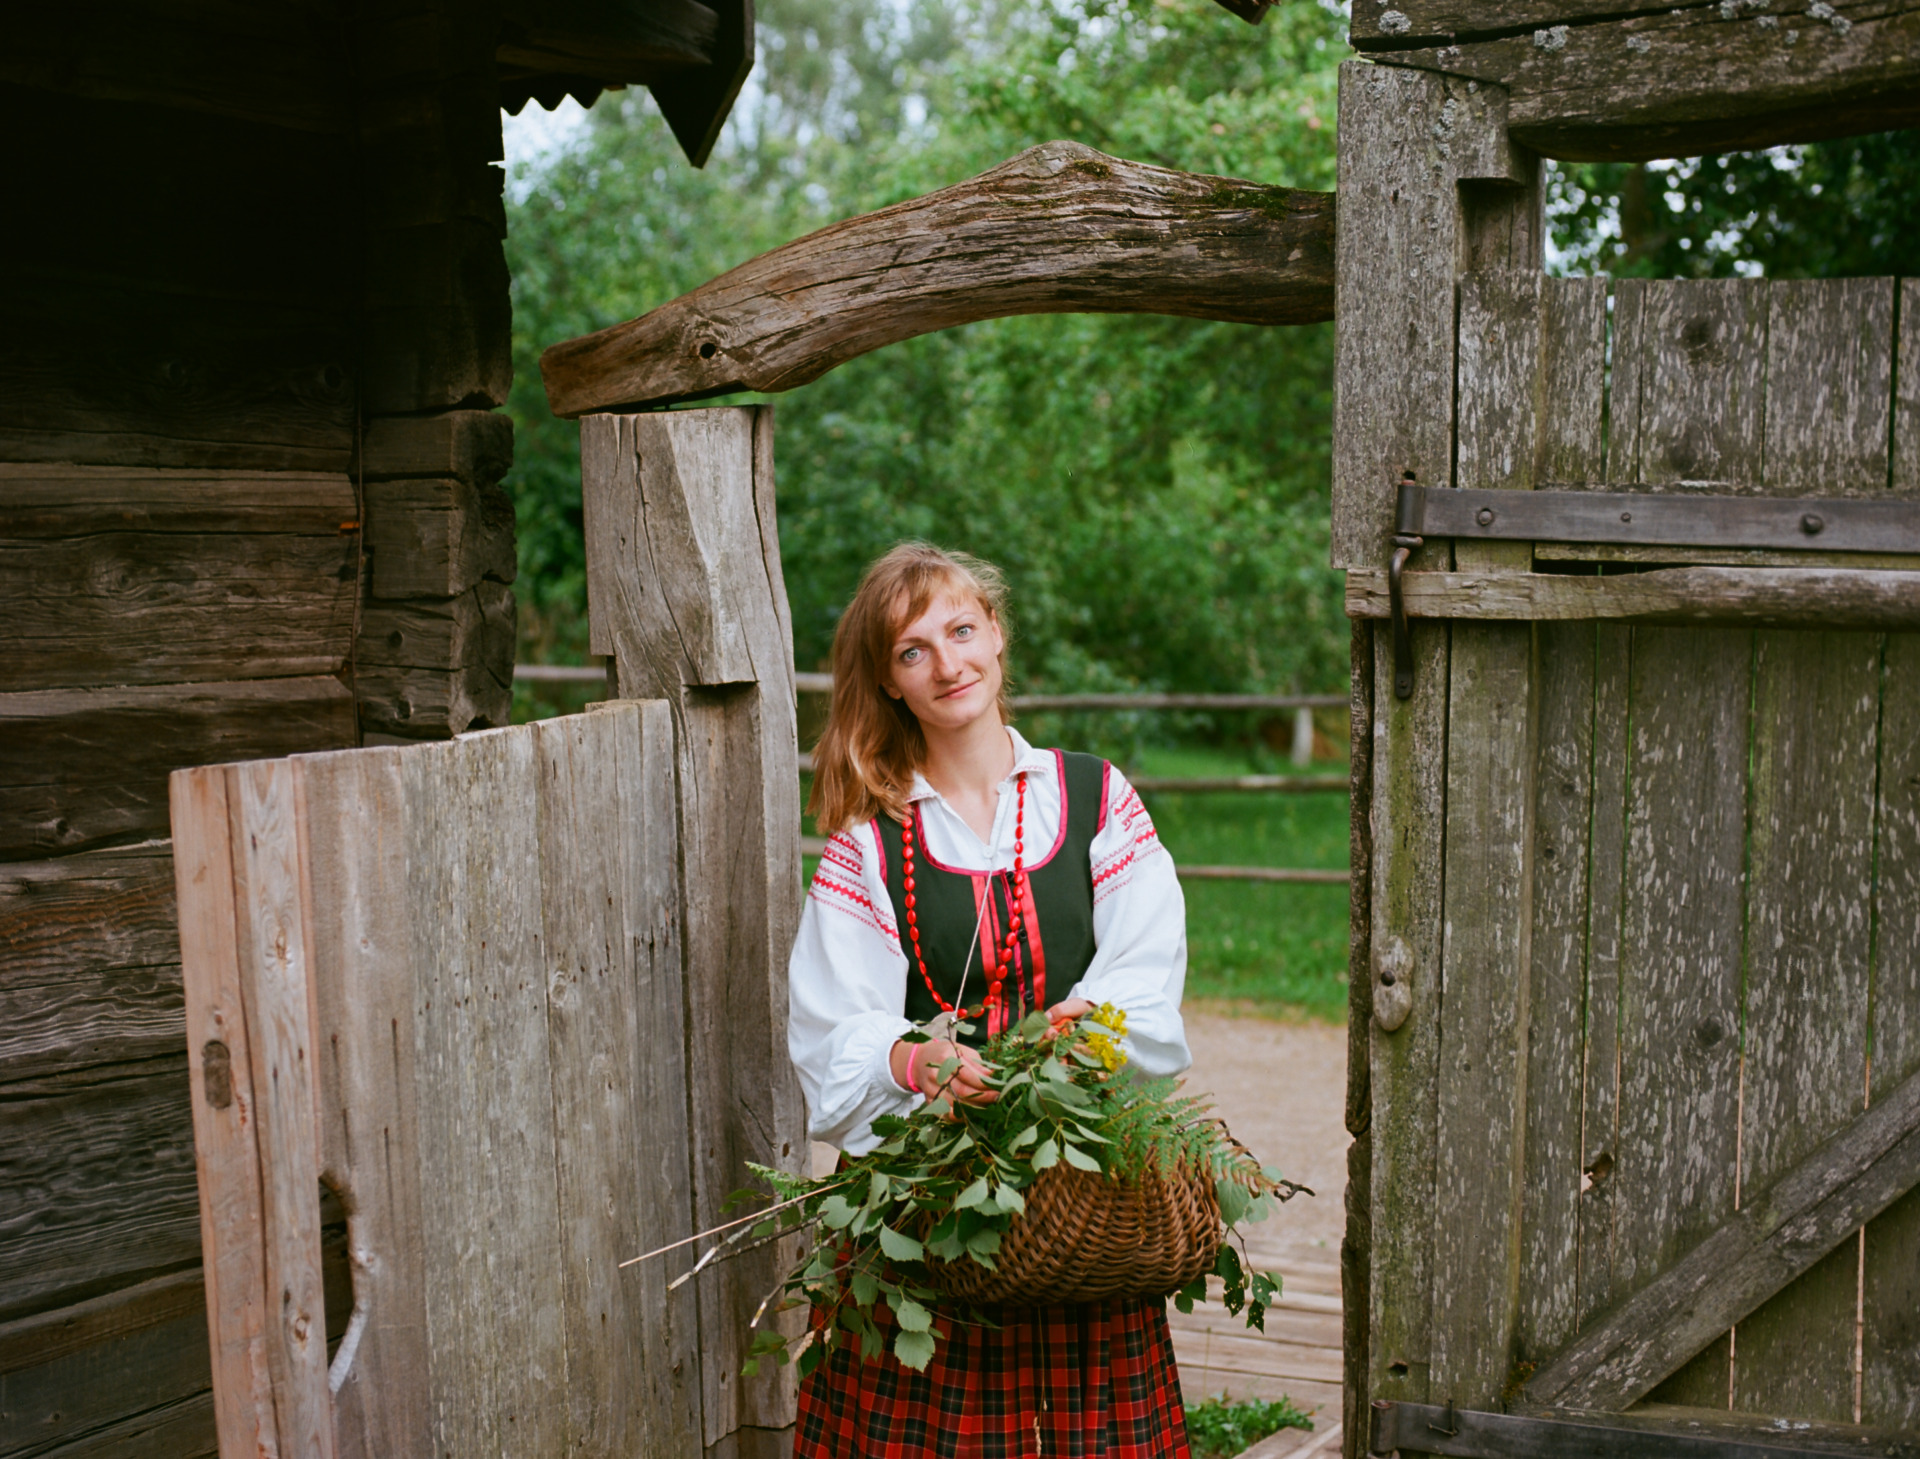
1060,229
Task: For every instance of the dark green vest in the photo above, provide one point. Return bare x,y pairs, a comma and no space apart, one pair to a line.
1055,944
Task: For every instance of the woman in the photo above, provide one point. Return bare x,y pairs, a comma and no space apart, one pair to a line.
969,871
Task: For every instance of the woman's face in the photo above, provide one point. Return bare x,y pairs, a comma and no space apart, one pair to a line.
946,663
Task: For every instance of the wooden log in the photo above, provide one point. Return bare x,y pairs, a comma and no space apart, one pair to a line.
1814,597
1682,81
106,1363
1906,399
144,577
103,909
88,766
1382,25
426,669
96,1183
1058,229
436,537
1777,1234
686,594
472,446
1407,140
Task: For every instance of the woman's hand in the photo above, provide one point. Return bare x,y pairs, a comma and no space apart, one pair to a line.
917,1066
1065,1011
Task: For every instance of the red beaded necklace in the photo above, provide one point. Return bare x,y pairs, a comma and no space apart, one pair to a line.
1016,888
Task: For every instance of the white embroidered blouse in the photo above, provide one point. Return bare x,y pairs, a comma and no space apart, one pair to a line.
847,981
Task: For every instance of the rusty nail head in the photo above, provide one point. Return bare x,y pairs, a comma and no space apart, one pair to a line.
1626,516
1484,516
1812,524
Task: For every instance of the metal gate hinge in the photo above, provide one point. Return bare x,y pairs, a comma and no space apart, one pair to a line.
1406,541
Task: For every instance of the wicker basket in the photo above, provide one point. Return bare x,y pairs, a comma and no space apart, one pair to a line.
1086,1238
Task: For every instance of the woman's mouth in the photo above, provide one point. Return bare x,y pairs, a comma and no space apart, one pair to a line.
955,693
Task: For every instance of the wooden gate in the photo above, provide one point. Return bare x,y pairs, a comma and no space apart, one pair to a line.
1636,1081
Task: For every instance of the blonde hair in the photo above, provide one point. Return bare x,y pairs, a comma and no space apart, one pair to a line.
872,744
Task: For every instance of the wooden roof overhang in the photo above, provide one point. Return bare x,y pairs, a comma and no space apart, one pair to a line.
692,56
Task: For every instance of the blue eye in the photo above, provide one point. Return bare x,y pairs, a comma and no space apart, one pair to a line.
965,630
910,656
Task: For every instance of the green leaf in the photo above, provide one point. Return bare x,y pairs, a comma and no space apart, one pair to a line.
1079,1158
984,1243
837,1211
865,1285
913,1349
1233,1200
973,1195
911,1316
1009,1199
1033,1025
1024,1138
1047,1156
765,1341
900,1247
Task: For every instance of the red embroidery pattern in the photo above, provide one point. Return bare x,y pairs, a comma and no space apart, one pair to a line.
1142,841
839,883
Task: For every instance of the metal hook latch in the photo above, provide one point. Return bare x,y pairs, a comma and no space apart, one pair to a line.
1407,525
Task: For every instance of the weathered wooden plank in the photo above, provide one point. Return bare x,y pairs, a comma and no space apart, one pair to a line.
1816,727
1059,229
1481,1099
1547,1296
620,1351
1399,24
1906,394
1829,386
27,1342
1658,1431
1890,1290
685,593
495,1337
1356,1244
1777,1234
183,1429
89,766
275,966
1816,709
353,812
1698,78
1501,395
221,1066
1675,1170
1407,834
1826,597
1703,370
1600,1058
96,1184
1406,139
436,537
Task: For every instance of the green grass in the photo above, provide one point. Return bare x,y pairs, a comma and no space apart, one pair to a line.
1270,948
1217,1429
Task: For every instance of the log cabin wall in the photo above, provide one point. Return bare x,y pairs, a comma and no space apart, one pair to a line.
253,331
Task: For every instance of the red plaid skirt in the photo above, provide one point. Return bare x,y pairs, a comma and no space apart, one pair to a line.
1087,1381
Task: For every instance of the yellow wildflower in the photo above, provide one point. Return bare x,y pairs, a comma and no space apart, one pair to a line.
1110,1017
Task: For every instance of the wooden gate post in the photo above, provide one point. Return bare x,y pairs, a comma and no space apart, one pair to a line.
687,597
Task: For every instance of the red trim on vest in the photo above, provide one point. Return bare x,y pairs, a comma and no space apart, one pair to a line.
1106,795
1059,840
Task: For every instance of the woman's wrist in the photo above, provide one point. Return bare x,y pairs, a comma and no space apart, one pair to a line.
900,1065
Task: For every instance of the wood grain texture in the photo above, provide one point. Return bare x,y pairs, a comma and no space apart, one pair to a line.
1683,81
1829,386
1407,833
622,1390
429,668
1356,1245
89,961
1387,24
1406,141
474,447
1775,1236
1816,712
140,578
70,1396
354,815
1481,1088
275,959
86,767
220,1063
96,1184
1906,394
433,537
1059,229
1680,967
1890,1289
685,594
1837,597
1606,905
495,1333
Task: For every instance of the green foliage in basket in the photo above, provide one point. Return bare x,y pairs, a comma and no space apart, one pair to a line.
947,1181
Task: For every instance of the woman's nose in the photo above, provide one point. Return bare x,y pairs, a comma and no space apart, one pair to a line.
946,660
